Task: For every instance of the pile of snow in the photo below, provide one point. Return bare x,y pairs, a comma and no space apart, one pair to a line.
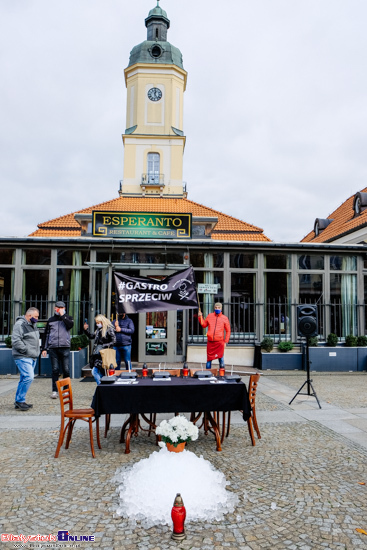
148,488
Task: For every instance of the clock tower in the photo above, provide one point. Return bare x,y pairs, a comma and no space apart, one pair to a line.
154,140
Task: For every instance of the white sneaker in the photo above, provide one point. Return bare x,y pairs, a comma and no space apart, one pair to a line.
54,395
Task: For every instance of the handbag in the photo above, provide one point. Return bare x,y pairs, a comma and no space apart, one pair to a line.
108,358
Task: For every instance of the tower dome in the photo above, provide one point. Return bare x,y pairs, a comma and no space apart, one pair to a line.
156,49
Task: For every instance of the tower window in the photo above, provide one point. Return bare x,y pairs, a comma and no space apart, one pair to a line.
156,51
156,34
153,167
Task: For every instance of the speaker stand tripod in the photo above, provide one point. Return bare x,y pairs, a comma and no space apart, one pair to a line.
308,381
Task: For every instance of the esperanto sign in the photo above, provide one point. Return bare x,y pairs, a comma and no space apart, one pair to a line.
141,225
138,294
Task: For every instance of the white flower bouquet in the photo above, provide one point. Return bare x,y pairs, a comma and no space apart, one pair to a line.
177,430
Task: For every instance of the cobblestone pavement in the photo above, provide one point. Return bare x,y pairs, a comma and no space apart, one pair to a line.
300,487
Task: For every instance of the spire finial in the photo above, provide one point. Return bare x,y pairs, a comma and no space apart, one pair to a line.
158,3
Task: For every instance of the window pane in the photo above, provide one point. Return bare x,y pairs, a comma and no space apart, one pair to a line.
277,261
242,316
207,302
343,298
310,288
277,300
343,263
35,290
37,256
243,260
310,261
6,296
7,256
206,259
72,257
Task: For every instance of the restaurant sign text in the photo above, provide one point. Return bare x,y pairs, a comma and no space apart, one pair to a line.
141,225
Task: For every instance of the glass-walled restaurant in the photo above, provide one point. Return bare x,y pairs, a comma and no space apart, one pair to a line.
259,284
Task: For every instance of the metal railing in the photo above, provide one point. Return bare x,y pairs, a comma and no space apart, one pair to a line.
152,179
11,309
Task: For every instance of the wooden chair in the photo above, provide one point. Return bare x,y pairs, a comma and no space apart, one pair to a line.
72,415
252,421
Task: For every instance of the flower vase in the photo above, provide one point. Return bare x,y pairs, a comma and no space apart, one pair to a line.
172,449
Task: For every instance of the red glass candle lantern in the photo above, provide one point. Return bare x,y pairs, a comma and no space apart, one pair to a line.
222,371
185,370
144,371
178,515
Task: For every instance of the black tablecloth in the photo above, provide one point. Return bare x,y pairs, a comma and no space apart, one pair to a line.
177,395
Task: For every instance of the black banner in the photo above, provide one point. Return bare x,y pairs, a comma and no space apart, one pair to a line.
138,294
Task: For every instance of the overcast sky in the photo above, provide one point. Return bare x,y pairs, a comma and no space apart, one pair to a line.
275,108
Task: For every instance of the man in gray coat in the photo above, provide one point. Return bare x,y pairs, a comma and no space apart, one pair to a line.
25,349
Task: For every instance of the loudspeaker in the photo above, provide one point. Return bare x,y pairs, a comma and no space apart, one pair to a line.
307,320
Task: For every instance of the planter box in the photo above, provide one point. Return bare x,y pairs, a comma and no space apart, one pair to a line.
281,361
78,359
338,359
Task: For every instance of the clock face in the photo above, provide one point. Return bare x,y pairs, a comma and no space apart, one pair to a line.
154,94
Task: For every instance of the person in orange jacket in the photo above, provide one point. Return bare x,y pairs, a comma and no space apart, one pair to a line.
218,324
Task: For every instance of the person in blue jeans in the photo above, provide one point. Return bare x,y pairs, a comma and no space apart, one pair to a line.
25,350
124,329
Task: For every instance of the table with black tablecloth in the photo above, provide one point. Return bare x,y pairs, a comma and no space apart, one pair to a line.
182,395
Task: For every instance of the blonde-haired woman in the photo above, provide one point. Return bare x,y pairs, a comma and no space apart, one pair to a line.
104,337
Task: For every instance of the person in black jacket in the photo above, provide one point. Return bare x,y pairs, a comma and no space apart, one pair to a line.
124,329
56,341
104,337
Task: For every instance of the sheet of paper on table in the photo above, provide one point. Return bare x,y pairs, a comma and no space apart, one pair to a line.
162,379
127,382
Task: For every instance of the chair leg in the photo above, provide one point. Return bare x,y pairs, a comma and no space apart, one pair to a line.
255,423
97,433
91,436
70,431
250,429
61,437
224,424
229,423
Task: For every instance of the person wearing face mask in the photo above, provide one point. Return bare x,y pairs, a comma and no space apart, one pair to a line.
25,350
218,325
124,328
56,341
104,337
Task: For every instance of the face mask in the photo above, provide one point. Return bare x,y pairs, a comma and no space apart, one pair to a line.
33,320
99,325
61,312
217,311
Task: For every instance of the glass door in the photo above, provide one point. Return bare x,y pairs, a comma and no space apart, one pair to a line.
161,337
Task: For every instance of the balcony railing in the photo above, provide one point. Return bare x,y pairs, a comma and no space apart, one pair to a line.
152,179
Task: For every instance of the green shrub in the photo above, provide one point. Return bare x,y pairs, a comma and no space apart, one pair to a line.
267,344
332,340
285,346
351,341
8,341
79,342
362,340
313,341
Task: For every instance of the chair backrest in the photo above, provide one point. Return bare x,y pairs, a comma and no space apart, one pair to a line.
252,387
65,394
171,371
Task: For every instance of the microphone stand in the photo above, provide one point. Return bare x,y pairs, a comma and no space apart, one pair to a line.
308,381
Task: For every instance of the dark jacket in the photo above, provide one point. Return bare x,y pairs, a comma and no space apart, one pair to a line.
57,333
123,338
100,342
25,339
106,341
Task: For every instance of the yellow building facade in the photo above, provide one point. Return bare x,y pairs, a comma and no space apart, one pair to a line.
154,140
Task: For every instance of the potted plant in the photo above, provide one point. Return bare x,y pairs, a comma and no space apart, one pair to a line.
267,344
285,346
176,432
332,340
351,341
362,340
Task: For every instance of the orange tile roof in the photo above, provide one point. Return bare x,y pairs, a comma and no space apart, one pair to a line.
228,228
343,222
